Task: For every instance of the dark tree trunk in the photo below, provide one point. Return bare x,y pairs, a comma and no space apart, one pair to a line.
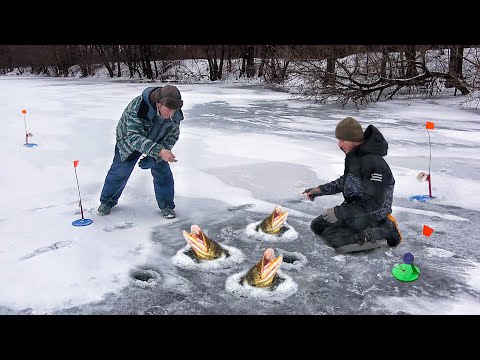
330,75
220,67
249,61
212,62
455,66
105,56
261,67
383,68
410,55
146,57
215,71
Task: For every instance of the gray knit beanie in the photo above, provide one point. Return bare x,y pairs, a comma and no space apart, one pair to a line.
168,96
349,129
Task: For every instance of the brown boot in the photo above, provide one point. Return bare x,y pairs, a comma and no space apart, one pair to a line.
394,237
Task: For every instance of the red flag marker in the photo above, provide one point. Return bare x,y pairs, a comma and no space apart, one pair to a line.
24,111
427,231
430,125
75,163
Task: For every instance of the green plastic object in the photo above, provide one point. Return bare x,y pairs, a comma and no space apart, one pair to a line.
405,272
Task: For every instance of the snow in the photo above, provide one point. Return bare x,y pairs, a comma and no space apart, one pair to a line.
242,151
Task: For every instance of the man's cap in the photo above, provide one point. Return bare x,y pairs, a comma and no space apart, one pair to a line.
168,96
349,129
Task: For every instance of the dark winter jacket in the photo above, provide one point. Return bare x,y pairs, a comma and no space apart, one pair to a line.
367,183
141,129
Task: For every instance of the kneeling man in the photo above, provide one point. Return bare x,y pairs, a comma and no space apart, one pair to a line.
363,221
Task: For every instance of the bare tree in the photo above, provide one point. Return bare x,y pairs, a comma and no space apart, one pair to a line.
472,71
83,55
215,53
373,73
455,69
145,56
275,63
107,56
62,57
6,64
356,73
248,61
129,56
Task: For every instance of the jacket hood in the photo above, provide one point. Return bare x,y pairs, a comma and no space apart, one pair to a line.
374,142
152,109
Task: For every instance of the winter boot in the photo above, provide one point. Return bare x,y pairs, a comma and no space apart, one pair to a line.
168,213
104,209
364,240
394,237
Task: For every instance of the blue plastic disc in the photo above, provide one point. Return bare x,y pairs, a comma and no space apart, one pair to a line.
408,258
30,145
421,198
82,222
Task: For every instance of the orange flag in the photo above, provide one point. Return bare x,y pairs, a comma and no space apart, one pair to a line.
24,111
427,231
75,163
430,125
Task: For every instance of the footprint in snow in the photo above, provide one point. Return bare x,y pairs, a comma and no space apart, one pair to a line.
118,226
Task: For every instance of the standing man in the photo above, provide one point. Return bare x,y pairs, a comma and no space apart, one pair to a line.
363,221
149,125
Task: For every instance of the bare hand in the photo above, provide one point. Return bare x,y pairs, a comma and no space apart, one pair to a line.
167,155
312,193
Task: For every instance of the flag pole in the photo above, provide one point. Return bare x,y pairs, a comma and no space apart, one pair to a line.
27,134
429,177
426,232
82,221
24,112
430,125
78,187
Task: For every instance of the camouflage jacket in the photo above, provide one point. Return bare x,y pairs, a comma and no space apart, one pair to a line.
367,183
134,130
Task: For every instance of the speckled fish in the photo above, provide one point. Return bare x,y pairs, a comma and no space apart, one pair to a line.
203,247
273,223
263,273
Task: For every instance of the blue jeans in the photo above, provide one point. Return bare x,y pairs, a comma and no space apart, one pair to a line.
120,172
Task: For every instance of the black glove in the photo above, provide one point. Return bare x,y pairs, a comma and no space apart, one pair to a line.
310,197
147,162
362,237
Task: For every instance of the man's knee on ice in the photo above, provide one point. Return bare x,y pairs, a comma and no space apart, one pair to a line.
318,225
